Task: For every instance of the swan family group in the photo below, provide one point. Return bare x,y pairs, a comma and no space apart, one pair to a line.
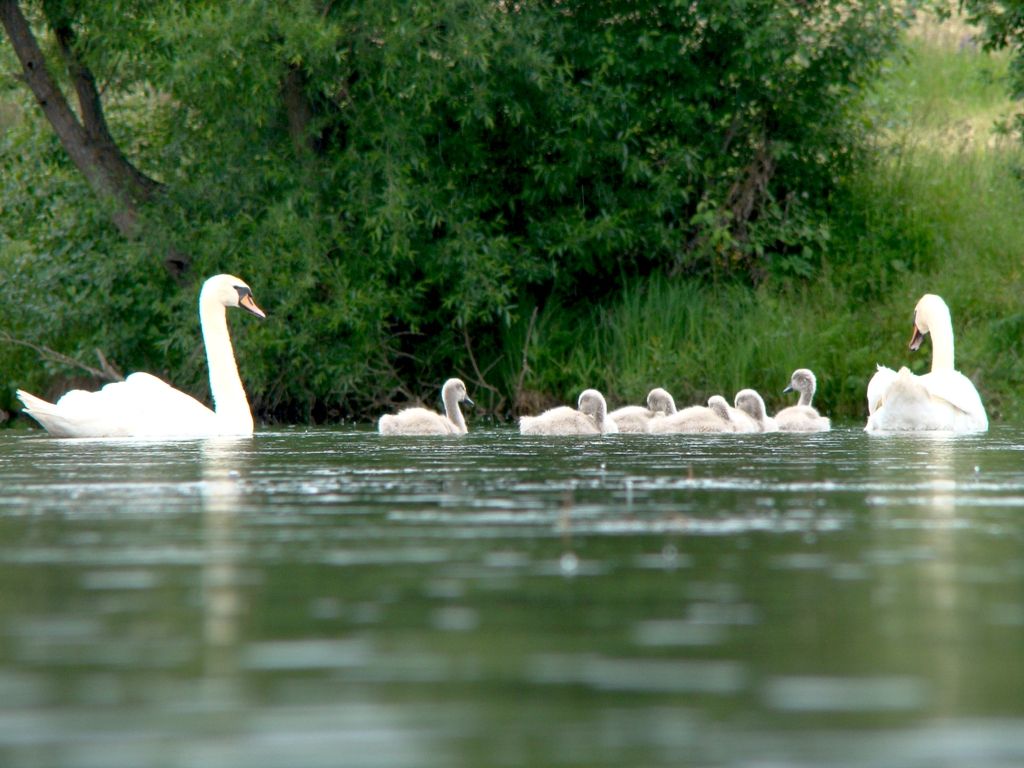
144,406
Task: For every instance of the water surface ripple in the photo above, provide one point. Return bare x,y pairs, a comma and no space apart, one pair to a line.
330,596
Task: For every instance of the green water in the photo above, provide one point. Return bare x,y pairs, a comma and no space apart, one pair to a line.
334,598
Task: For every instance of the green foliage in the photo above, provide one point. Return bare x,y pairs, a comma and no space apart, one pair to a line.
936,209
402,183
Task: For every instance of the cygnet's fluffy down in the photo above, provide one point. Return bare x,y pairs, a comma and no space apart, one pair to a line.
421,421
589,418
695,419
802,417
635,418
749,402
740,420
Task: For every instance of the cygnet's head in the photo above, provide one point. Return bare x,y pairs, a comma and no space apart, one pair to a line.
720,406
591,402
660,401
751,403
229,291
802,381
931,312
455,390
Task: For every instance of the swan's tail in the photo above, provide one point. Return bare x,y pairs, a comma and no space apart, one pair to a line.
51,417
42,411
34,404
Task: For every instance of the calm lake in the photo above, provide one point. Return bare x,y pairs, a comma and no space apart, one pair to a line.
333,597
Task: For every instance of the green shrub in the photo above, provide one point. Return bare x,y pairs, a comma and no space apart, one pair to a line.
402,183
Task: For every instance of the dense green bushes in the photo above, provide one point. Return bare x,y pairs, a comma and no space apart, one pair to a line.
404,183
936,209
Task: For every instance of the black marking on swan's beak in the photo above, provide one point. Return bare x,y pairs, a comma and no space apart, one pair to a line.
467,401
788,389
246,302
916,338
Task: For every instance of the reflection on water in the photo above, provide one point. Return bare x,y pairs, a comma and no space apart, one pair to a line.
798,600
223,464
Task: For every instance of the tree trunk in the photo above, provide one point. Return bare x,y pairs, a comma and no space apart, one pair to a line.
299,111
88,143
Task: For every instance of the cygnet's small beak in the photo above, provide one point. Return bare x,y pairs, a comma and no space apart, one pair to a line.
467,401
788,389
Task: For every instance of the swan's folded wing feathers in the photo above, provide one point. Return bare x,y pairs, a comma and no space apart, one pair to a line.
878,386
142,406
956,389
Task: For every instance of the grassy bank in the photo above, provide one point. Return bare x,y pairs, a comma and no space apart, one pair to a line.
939,211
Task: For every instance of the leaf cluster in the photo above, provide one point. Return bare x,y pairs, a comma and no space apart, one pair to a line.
403,182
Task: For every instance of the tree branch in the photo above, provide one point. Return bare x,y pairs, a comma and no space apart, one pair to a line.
90,146
90,106
525,366
480,381
298,110
106,372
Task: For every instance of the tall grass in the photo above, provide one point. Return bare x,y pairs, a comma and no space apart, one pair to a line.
939,210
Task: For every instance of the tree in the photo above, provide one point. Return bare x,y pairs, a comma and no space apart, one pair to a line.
414,180
85,137
1002,28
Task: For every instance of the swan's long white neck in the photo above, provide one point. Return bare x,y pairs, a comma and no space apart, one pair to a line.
229,400
452,410
942,345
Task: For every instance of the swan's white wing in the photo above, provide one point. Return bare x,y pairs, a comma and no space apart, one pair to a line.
140,406
957,390
905,406
925,403
878,386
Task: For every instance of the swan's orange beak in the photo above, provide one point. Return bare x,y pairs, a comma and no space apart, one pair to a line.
246,302
916,338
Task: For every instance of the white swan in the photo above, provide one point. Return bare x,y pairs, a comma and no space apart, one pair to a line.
421,421
802,417
696,419
942,400
144,406
634,418
589,418
750,403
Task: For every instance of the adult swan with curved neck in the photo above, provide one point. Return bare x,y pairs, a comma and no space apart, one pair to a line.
942,400
146,407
